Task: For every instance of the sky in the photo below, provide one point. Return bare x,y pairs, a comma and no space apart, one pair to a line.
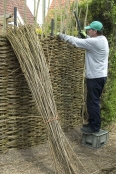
30,4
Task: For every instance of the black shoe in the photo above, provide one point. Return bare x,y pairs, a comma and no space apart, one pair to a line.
86,125
88,130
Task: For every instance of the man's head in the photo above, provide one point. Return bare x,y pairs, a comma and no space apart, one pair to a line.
94,29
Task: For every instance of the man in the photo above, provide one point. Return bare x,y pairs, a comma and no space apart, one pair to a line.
96,63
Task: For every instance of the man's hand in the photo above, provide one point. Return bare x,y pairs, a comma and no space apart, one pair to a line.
57,34
83,34
61,36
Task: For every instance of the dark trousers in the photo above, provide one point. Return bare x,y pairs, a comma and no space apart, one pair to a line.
94,91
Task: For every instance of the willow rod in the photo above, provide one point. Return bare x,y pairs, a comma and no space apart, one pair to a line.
25,18
67,15
56,13
83,106
60,15
64,16
85,20
4,19
71,21
36,13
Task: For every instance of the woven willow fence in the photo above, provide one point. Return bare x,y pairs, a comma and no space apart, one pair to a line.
20,123
66,65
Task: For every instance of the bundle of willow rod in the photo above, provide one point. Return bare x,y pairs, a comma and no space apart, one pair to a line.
30,55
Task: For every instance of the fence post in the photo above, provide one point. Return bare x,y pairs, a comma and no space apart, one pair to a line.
4,21
52,27
15,16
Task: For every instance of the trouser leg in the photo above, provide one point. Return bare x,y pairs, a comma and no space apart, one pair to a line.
94,91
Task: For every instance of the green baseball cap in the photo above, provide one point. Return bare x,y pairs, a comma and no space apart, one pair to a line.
96,25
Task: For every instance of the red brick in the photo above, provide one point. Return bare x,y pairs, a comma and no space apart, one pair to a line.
56,3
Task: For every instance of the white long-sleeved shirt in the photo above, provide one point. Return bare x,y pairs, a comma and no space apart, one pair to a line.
97,52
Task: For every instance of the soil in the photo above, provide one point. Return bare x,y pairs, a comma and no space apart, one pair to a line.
37,160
